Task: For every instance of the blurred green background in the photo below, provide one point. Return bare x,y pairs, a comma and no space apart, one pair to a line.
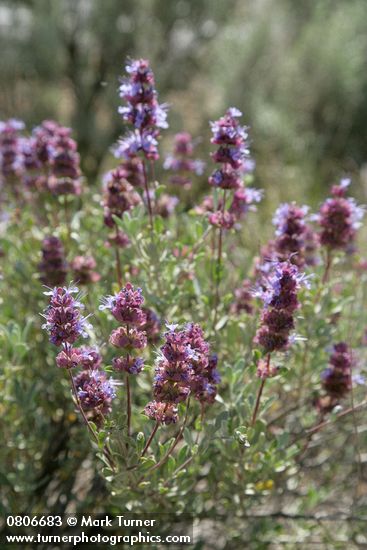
296,68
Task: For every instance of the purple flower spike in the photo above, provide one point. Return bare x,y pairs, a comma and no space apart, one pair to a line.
96,393
83,270
125,306
53,266
129,364
232,152
87,358
64,160
119,196
339,218
142,111
65,325
38,153
279,294
234,161
130,339
337,378
64,322
291,232
185,367
11,157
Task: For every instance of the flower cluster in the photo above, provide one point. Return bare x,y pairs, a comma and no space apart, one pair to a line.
291,227
37,155
223,220
152,325
90,358
65,324
53,266
32,178
181,161
11,163
84,357
50,160
243,299
244,200
185,367
64,321
132,170
65,174
83,270
164,205
339,218
295,240
233,156
126,307
337,378
265,369
163,413
279,294
119,195
207,206
95,392
118,239
142,111
43,137
233,150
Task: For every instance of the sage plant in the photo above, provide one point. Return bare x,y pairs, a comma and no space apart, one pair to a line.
339,219
279,293
337,378
93,392
126,307
11,158
184,368
147,117
232,156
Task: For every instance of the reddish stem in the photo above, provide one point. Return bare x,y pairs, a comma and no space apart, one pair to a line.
79,405
257,404
219,262
325,423
150,439
175,443
146,186
327,266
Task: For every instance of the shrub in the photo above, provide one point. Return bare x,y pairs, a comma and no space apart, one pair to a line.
168,406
